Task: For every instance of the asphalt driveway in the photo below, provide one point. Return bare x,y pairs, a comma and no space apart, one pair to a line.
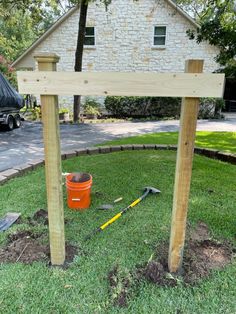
25,144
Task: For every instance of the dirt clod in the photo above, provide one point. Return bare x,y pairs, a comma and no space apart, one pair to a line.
154,271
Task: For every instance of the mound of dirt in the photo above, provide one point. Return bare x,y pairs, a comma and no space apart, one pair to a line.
157,273
199,233
40,217
27,247
201,255
22,234
71,252
204,256
23,247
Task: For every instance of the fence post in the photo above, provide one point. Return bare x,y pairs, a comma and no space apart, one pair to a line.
51,135
183,172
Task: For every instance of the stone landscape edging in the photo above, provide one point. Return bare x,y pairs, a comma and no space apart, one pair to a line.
22,169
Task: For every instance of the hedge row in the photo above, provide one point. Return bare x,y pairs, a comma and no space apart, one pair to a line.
143,106
157,106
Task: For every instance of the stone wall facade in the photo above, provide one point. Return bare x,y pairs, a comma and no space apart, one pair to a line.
124,40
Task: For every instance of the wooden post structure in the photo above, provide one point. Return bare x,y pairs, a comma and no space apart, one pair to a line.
51,135
188,123
190,85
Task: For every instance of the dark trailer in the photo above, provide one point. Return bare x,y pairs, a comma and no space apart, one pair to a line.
10,104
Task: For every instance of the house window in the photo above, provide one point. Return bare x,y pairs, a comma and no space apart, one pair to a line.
159,36
89,39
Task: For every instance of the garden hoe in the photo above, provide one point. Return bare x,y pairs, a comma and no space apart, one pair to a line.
147,190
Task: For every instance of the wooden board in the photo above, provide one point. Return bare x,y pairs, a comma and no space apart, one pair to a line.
51,135
52,150
121,84
183,173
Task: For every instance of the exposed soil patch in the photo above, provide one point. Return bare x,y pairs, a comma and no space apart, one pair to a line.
155,272
22,234
26,247
41,216
71,252
23,247
120,283
204,256
201,255
200,233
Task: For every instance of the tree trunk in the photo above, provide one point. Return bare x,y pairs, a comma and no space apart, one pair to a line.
79,52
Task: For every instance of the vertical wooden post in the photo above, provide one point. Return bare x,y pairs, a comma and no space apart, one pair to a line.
188,123
51,134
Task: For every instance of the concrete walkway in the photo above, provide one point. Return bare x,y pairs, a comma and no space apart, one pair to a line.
25,144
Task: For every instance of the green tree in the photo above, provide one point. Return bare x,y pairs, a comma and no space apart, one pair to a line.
21,22
37,9
16,33
217,21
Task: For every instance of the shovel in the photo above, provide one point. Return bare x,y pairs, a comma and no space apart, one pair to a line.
147,190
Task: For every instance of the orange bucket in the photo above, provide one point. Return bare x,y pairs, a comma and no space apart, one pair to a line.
78,190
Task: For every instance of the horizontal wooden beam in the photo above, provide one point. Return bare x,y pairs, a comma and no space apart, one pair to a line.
121,84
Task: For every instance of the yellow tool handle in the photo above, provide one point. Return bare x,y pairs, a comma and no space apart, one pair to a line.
135,202
111,221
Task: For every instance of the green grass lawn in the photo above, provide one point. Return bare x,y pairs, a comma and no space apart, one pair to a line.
83,287
223,141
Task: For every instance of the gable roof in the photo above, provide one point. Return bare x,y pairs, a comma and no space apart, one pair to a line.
183,13
72,10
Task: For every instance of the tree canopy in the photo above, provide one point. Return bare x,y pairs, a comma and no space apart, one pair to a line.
217,20
21,22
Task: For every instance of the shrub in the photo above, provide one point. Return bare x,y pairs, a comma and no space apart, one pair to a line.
220,104
92,107
143,106
210,108
63,110
90,110
31,113
162,107
90,102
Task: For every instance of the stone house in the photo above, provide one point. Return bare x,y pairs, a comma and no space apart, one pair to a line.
131,36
